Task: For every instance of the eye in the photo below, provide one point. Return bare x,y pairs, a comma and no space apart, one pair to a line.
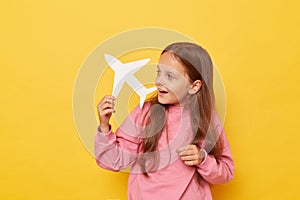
170,76
158,72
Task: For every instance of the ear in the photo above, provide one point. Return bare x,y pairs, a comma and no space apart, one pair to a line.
195,87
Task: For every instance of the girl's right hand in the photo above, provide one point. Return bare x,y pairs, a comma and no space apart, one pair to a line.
105,110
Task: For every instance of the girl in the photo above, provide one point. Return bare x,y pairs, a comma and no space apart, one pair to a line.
175,144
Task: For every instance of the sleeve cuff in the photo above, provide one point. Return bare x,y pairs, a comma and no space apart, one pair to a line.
105,133
107,137
204,159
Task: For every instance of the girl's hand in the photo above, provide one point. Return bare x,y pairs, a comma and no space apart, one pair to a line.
191,154
105,110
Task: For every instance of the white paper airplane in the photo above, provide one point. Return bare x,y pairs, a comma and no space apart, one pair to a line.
124,73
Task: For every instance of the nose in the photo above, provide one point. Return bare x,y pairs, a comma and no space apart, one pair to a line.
159,80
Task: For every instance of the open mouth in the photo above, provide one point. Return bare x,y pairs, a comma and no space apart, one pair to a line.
162,91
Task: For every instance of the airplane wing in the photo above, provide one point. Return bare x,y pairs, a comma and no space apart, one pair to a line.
123,71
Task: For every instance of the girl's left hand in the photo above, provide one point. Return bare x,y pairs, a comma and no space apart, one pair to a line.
191,154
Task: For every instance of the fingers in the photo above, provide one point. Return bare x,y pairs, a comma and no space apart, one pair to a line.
190,155
106,105
189,158
107,99
192,162
105,110
187,150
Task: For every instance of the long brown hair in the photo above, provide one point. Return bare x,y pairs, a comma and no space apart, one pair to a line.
198,66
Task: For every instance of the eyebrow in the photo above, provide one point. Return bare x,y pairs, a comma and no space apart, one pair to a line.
168,71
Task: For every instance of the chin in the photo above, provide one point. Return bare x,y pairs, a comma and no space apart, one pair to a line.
164,102
161,102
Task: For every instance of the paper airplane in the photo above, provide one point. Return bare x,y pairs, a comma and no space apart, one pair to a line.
124,73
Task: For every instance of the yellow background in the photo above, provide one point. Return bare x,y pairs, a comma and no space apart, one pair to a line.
255,45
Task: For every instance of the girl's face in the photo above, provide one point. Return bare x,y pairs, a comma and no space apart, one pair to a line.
172,81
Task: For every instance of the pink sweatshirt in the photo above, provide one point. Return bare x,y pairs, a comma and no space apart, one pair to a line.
172,179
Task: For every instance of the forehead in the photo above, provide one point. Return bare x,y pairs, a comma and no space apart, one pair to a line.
167,60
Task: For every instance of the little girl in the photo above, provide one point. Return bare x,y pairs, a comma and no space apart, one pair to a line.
176,145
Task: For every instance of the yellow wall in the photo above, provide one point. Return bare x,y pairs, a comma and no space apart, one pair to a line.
255,45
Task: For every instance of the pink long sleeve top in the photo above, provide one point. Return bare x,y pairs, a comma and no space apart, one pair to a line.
172,179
